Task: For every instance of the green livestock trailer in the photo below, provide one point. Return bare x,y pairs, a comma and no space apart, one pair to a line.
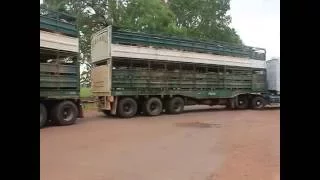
148,73
59,69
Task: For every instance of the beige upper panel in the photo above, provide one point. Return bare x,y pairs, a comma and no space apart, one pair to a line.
100,45
58,41
182,56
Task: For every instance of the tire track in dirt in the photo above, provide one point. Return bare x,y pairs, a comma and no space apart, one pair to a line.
252,148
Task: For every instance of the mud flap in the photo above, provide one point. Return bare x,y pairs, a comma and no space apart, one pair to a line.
232,102
80,108
114,106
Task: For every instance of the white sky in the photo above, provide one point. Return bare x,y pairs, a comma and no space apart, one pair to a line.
258,23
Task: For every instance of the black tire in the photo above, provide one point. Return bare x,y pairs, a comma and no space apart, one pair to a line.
107,112
152,107
127,108
43,115
242,103
258,102
175,105
64,113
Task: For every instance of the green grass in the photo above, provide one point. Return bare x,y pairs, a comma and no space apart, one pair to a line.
89,106
85,92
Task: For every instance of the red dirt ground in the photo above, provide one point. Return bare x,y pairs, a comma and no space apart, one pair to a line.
196,145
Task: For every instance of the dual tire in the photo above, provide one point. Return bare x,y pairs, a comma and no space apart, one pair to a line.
243,102
62,113
152,106
43,115
128,107
256,102
175,105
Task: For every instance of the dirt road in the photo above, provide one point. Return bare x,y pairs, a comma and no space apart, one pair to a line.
196,145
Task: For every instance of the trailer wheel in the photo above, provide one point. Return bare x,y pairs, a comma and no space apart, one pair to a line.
127,108
258,102
152,107
65,113
243,102
175,105
43,115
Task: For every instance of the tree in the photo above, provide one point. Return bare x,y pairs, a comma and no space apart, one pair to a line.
147,16
85,76
57,5
205,19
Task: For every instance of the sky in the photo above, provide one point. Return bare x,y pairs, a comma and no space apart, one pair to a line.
258,23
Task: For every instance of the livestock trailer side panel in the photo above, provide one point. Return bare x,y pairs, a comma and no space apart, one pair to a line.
132,77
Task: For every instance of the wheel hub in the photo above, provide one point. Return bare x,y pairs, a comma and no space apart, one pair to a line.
67,114
127,107
153,106
176,106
